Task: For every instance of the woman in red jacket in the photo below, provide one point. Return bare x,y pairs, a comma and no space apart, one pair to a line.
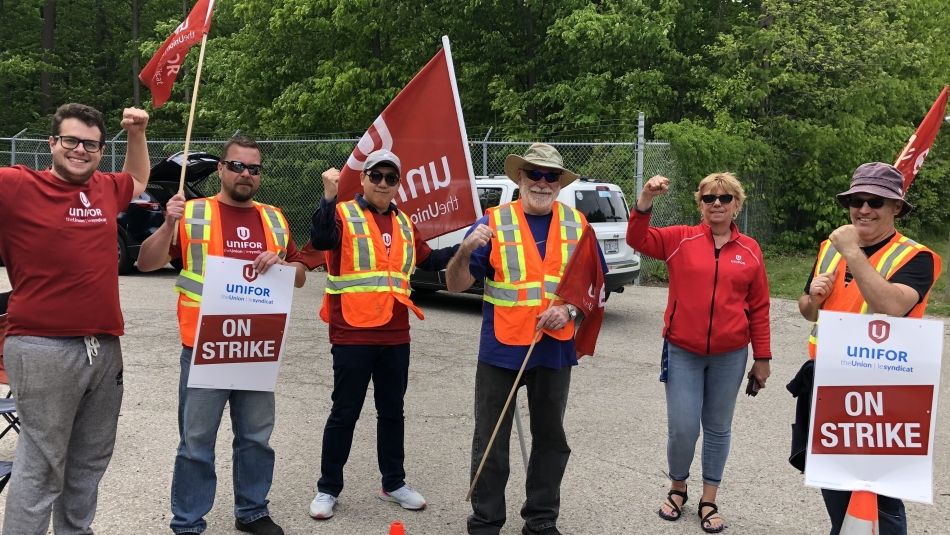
718,303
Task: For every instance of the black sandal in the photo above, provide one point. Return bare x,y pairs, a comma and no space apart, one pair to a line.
704,519
676,508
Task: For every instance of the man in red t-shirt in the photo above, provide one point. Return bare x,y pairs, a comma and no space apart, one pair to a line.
370,253
240,228
58,237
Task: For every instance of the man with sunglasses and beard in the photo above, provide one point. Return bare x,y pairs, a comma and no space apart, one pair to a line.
870,267
520,250
230,224
372,248
58,239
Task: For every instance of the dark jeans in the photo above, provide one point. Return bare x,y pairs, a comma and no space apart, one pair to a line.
353,367
891,516
547,401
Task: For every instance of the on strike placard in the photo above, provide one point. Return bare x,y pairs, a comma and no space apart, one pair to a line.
874,405
242,326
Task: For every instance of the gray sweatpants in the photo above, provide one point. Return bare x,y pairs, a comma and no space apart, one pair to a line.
68,409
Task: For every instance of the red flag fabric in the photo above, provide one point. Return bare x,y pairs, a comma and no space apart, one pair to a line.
583,286
162,70
912,157
424,127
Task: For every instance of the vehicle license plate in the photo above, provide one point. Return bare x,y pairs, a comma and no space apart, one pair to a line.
611,246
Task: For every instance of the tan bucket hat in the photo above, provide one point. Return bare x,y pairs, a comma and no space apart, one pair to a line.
539,155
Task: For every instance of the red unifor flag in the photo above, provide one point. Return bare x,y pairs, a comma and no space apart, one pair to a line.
912,157
160,72
424,127
582,285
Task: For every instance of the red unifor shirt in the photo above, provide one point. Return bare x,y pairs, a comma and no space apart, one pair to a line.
58,241
243,233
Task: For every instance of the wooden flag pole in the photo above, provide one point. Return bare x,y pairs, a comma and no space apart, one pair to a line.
501,417
191,121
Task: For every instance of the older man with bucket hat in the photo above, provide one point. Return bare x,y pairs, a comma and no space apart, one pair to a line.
869,267
520,250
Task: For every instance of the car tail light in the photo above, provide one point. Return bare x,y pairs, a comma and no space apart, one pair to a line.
147,205
603,188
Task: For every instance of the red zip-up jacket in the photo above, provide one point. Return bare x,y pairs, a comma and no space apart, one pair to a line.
715,305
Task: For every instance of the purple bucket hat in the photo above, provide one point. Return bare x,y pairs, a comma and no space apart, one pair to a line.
879,179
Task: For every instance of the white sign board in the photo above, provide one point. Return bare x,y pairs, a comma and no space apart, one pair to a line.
242,327
874,405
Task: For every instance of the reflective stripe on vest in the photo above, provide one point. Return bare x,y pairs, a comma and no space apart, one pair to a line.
363,275
892,257
372,277
512,289
198,226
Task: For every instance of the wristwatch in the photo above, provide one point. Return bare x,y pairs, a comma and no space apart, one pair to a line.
571,311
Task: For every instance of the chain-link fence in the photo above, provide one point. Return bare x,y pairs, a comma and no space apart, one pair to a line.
292,169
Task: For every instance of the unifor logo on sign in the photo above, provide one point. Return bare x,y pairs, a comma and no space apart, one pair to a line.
249,272
879,330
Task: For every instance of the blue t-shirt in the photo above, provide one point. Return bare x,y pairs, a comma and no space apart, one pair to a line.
548,352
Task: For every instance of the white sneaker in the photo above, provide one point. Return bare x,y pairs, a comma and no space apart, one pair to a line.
404,496
321,508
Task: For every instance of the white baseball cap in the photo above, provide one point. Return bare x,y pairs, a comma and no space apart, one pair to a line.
382,156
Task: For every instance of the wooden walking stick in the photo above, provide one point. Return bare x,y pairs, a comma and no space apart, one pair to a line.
514,388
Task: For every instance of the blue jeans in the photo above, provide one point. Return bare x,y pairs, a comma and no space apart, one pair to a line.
891,515
353,367
194,479
701,390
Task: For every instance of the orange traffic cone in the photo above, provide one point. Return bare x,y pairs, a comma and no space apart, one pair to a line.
396,528
861,518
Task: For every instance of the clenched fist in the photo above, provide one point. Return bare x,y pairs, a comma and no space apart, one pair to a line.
134,120
331,183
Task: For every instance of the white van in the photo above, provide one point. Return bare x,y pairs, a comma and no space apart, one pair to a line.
601,203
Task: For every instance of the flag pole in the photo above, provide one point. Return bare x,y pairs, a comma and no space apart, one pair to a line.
501,417
191,113
191,122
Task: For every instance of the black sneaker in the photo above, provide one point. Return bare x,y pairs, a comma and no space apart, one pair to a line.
550,530
262,526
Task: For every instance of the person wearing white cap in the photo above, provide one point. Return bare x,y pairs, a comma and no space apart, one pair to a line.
869,267
372,249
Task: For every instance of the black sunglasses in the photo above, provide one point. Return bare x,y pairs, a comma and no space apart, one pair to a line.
858,202
548,176
70,143
238,167
725,198
377,176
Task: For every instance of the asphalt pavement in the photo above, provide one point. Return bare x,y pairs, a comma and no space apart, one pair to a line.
616,426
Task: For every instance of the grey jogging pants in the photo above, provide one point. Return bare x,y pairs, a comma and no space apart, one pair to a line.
68,393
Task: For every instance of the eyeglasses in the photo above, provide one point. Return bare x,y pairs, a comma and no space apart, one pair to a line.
549,176
70,143
376,177
725,198
238,167
858,202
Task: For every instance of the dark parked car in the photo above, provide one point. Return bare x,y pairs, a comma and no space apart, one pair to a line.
147,211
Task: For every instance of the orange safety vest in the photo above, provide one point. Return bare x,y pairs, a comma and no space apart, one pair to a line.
523,284
371,279
887,261
200,235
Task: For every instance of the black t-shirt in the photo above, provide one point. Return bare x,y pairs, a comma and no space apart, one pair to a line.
918,273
